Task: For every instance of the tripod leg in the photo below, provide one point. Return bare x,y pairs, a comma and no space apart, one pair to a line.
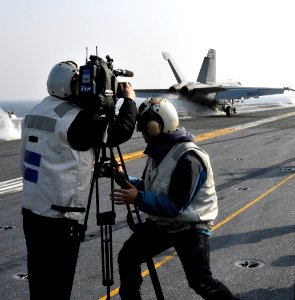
107,257
155,279
131,223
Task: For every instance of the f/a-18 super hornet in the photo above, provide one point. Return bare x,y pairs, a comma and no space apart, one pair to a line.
217,95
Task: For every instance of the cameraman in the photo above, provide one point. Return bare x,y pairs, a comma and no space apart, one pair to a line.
57,156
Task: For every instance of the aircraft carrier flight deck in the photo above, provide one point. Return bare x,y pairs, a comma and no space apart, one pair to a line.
253,241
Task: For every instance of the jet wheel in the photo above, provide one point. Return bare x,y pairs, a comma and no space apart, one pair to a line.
228,111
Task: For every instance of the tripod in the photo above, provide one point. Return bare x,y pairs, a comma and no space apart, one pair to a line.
107,219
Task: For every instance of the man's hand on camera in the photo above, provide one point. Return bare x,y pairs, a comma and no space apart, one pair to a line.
125,196
126,90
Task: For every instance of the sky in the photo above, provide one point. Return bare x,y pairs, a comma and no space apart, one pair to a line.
253,40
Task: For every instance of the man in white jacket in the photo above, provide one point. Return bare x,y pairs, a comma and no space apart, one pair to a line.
57,156
177,191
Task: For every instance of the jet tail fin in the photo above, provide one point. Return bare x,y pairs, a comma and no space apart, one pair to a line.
176,71
208,69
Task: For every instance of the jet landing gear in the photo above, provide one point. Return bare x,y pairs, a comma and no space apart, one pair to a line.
229,108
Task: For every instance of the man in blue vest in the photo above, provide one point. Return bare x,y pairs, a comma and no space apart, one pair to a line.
177,191
57,156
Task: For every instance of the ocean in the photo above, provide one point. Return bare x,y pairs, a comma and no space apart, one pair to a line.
10,127
19,107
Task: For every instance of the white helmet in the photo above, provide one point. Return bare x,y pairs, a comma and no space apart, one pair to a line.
157,115
61,78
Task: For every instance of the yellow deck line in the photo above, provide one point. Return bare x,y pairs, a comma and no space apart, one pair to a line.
224,221
198,138
202,137
215,133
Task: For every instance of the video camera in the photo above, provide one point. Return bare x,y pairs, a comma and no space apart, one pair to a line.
98,85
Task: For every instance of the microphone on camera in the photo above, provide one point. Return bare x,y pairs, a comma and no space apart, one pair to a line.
124,73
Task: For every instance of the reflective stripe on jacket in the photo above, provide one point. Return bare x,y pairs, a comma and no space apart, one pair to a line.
53,172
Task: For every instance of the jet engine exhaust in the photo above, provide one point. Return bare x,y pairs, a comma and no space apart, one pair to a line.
187,89
175,88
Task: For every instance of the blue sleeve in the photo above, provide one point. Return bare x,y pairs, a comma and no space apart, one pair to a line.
138,183
152,203
156,205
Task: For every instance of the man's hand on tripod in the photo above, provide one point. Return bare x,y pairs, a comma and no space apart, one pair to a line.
127,195
116,172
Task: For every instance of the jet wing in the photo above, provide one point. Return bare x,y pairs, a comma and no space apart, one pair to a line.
149,93
221,92
204,89
247,92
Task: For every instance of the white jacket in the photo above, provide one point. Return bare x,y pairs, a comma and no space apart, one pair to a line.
53,172
203,207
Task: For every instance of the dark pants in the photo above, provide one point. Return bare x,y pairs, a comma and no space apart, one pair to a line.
53,247
192,249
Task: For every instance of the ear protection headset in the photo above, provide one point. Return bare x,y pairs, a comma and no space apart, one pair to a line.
157,116
150,121
154,127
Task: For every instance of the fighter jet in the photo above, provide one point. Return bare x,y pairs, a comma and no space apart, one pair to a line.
217,95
